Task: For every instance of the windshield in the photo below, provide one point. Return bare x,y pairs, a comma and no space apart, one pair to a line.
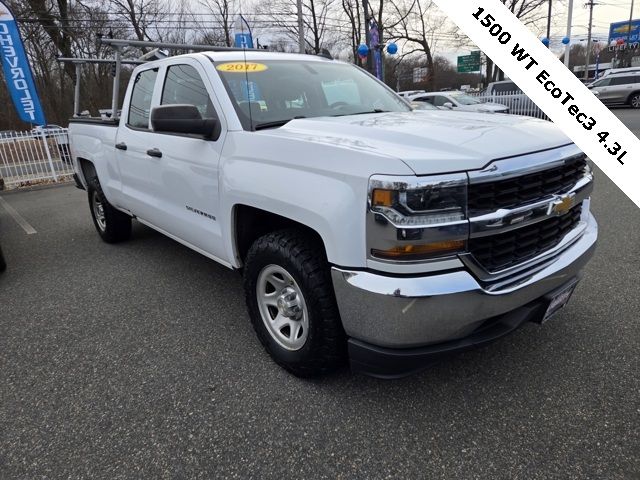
464,99
269,93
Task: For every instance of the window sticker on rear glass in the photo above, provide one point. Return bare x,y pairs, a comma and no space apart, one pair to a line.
241,67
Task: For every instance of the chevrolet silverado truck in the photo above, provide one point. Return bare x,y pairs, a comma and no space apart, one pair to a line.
365,231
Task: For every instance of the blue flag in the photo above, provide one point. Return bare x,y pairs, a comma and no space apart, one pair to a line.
17,72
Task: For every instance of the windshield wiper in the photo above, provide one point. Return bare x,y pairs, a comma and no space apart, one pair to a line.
375,110
275,123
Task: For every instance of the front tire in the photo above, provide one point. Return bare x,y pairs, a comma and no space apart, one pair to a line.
292,305
634,100
112,225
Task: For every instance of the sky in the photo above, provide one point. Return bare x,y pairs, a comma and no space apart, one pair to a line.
604,13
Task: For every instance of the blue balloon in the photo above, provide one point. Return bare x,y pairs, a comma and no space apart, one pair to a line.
363,50
392,48
545,42
566,40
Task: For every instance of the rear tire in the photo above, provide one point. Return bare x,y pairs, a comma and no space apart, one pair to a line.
634,100
292,304
112,225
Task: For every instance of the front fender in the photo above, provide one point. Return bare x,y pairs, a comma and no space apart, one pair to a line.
320,186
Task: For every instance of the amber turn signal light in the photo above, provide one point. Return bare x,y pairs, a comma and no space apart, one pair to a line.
382,198
415,252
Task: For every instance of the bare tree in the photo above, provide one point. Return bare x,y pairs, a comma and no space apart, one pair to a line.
415,25
353,11
143,16
317,25
219,29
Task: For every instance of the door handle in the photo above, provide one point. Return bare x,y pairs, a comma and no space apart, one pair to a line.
121,146
154,152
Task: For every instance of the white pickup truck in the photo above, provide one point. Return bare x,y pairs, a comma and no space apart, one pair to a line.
364,230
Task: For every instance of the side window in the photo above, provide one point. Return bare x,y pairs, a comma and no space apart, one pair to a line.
602,83
439,100
183,85
626,80
508,87
140,105
425,99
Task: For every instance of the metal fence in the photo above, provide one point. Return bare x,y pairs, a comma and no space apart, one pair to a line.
518,103
37,156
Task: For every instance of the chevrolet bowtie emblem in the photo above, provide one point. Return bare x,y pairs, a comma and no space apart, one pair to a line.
562,204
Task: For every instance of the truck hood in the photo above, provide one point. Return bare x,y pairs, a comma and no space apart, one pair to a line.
430,142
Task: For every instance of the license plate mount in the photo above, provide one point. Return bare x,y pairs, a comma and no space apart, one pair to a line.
558,300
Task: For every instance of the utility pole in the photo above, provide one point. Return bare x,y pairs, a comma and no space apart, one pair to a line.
629,35
301,43
549,22
567,48
589,4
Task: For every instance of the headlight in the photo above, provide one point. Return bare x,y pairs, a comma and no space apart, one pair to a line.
418,218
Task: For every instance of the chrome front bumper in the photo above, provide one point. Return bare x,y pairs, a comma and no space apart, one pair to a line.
404,312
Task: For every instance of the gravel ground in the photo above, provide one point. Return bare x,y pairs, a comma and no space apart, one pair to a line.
138,361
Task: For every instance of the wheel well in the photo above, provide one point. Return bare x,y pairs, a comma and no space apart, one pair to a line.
631,95
88,169
252,223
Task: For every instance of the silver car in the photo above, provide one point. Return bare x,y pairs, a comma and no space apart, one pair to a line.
618,89
459,101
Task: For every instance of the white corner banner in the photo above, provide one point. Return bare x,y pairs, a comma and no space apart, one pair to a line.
557,91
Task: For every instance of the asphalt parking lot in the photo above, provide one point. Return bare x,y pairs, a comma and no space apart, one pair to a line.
138,361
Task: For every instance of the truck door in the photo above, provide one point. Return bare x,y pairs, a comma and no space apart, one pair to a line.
139,172
188,169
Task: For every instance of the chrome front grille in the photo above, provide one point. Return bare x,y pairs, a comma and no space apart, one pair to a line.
521,209
497,252
490,196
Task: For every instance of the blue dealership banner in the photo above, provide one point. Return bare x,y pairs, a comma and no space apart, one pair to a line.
625,30
374,45
17,72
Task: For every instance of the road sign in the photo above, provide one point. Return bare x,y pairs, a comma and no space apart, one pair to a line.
469,63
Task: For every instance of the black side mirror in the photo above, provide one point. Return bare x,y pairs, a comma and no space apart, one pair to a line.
184,119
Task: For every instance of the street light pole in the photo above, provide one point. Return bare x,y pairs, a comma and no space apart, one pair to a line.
567,47
590,4
549,21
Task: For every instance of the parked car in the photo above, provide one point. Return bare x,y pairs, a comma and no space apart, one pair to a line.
618,89
59,134
423,106
363,229
409,93
459,101
48,130
621,70
506,92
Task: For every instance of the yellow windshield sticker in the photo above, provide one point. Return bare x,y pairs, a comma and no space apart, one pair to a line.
242,67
